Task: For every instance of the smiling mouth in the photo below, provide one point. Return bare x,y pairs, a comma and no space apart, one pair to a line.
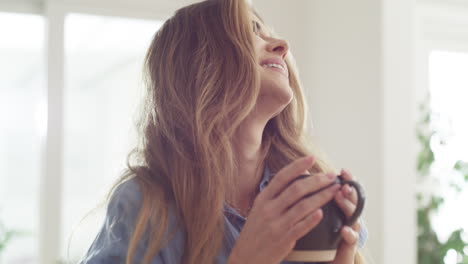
275,67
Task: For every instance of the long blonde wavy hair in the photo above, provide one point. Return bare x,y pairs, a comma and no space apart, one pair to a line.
202,82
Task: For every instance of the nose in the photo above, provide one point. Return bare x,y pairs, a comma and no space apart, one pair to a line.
279,46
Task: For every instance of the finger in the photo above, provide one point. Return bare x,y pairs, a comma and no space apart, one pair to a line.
347,175
350,193
347,206
348,246
304,226
357,225
309,204
301,188
285,176
350,236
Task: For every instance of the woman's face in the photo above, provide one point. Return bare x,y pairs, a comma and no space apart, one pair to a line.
271,52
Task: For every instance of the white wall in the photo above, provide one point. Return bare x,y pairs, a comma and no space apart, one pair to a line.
354,58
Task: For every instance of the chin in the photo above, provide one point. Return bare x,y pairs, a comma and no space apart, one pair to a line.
274,98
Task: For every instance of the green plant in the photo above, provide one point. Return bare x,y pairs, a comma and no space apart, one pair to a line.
6,236
430,249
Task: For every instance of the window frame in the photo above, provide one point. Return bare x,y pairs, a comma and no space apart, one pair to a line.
51,175
439,25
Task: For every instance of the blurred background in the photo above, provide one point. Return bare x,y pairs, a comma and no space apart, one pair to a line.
386,80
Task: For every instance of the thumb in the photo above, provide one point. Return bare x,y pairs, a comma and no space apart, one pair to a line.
348,246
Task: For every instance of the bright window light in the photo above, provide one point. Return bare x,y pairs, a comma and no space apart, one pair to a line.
103,81
448,73
22,128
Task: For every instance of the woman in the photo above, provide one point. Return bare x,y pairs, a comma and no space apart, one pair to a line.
224,111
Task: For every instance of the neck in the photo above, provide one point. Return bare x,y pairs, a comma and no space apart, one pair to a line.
248,148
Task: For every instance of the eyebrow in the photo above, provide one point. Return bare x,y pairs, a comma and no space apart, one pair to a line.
257,15
257,19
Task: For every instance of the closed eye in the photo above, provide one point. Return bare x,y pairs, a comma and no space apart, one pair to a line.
256,27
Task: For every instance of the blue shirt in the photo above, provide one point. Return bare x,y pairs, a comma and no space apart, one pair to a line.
111,243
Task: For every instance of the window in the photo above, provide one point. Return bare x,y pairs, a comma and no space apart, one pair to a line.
449,92
103,73
103,86
22,131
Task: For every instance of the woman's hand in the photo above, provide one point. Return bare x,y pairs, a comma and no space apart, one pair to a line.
279,215
347,199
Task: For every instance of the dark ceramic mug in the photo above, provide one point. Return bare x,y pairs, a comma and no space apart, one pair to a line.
321,243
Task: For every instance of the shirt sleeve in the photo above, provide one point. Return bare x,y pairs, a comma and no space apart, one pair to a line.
363,234
111,243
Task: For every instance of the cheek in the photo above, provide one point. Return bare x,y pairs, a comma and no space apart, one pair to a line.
258,43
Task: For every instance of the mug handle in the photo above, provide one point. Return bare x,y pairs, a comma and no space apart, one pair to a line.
361,199
359,190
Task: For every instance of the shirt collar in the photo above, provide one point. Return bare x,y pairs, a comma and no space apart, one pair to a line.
267,175
266,178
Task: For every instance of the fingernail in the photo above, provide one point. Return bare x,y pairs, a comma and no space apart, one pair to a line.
317,214
347,229
331,176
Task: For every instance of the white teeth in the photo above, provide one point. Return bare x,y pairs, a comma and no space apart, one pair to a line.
273,65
